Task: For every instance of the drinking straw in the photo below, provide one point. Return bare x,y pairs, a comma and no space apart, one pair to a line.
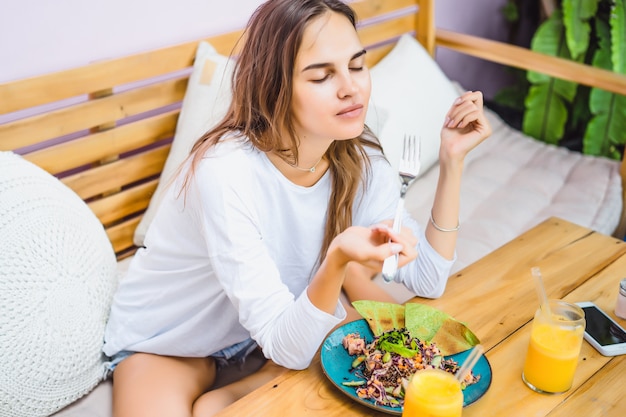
469,362
541,292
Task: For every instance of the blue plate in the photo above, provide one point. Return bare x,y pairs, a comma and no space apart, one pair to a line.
337,366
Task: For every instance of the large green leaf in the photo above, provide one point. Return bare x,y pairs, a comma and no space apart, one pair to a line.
550,40
576,16
618,36
546,110
607,128
546,113
602,56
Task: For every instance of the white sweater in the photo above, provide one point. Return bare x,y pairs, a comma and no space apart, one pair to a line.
233,259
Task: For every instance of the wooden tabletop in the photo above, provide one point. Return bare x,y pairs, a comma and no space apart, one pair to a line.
496,297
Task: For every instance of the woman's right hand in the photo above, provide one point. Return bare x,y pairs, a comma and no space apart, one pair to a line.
370,246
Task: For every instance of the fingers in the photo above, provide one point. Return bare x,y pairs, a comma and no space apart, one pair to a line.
404,243
371,246
465,110
405,237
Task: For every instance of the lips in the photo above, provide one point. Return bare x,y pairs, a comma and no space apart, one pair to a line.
351,111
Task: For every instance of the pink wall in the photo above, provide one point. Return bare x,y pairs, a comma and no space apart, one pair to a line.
41,36
474,17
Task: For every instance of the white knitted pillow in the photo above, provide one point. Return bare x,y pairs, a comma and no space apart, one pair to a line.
57,278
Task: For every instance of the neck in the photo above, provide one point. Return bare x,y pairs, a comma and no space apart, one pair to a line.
305,176
312,169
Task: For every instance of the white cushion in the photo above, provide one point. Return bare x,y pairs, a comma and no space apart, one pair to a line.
416,95
206,101
57,278
376,118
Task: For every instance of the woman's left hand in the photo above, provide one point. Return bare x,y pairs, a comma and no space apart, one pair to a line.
465,126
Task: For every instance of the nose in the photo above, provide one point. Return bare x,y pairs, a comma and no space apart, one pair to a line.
347,86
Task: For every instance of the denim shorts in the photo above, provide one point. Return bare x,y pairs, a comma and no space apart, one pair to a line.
235,354
232,355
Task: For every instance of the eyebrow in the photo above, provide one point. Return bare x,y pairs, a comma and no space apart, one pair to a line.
328,64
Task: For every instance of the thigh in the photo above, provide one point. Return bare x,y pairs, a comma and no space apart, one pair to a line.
152,385
213,401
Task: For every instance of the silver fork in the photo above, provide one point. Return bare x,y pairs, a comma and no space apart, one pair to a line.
408,169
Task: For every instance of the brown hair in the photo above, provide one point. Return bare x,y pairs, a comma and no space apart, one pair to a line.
261,103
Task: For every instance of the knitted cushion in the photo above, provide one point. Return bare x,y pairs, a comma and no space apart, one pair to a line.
57,278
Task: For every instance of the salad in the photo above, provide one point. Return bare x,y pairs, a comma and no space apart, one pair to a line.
383,367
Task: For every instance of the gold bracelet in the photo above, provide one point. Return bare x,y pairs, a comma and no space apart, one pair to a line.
443,229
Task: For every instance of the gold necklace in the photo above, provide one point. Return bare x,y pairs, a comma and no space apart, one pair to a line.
312,169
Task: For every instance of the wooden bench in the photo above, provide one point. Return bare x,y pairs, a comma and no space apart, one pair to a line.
105,129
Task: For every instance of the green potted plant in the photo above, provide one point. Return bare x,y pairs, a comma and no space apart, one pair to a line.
554,110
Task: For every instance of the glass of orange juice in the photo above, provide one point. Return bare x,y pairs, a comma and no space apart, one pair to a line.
554,348
433,393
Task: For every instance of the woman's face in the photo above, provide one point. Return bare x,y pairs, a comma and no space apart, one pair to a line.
331,84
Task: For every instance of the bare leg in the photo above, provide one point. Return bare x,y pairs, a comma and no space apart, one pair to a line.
154,386
215,400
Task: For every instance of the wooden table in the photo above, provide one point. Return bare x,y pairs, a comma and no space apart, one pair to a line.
496,297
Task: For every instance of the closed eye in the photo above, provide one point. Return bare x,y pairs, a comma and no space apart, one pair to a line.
320,80
357,59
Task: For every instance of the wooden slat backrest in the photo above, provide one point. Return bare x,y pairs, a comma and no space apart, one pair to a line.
105,128
92,113
31,92
98,146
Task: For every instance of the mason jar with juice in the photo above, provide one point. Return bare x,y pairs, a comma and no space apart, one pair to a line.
433,393
554,347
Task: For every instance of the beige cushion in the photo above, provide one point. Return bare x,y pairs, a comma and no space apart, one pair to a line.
206,100
416,95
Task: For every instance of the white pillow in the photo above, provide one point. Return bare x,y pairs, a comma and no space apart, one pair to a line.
415,93
376,118
205,103
57,278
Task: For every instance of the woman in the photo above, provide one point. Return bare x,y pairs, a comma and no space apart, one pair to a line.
277,209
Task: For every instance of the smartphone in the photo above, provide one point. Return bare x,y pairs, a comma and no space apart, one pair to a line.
602,332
